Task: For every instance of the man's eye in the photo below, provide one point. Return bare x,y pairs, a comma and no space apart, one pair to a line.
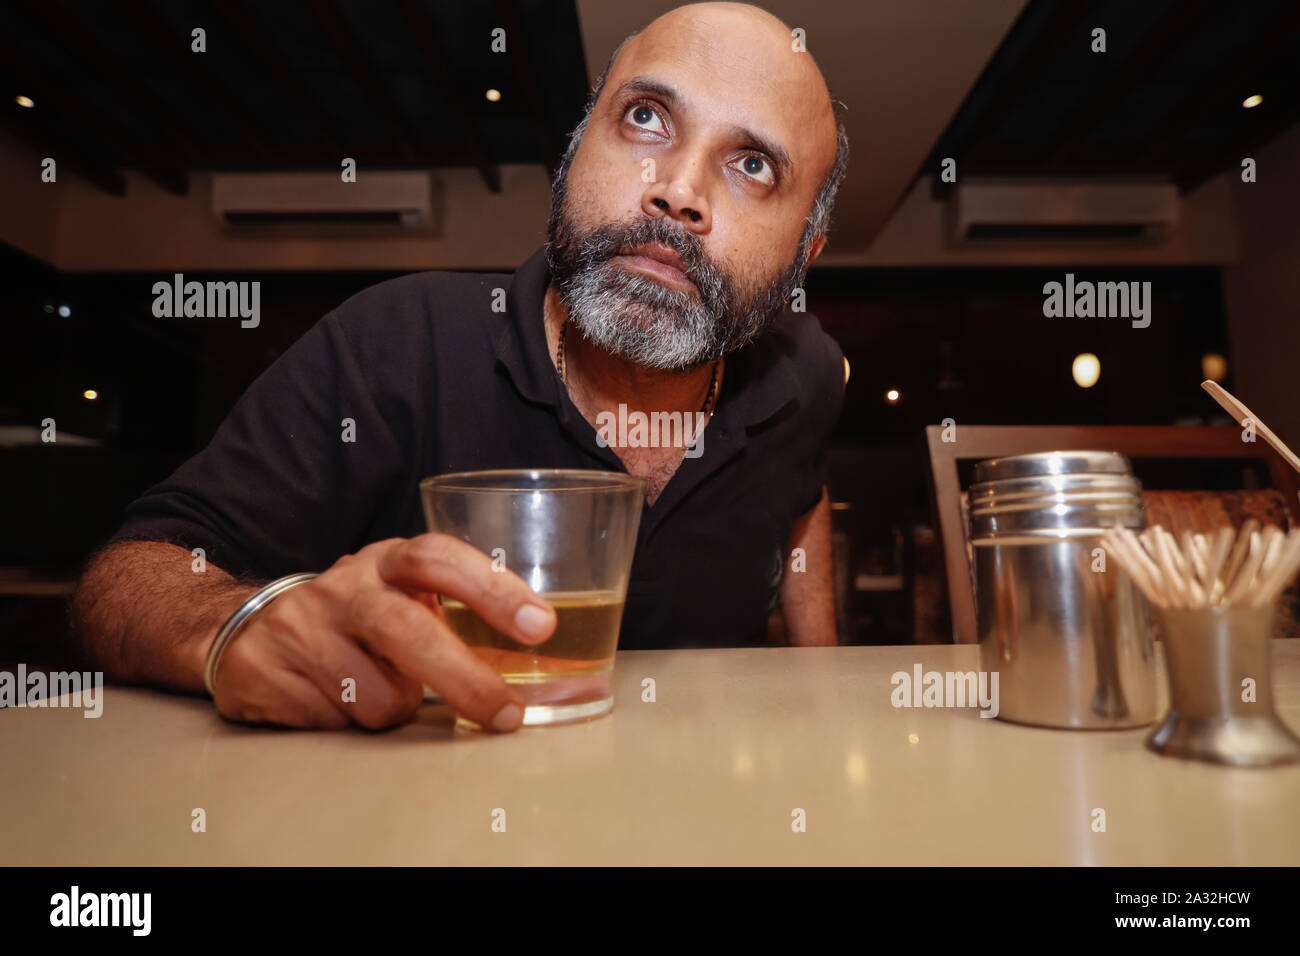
758,168
645,117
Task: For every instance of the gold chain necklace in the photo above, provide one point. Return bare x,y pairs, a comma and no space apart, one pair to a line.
708,398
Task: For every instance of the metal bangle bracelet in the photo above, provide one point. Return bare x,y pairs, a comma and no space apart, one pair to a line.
255,603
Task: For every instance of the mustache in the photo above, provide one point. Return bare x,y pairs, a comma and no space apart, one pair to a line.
602,244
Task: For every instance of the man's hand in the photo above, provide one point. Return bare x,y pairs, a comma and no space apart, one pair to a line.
372,617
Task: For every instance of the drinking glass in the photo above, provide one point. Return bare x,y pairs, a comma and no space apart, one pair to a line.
570,534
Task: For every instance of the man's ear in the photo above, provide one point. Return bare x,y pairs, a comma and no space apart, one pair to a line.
816,247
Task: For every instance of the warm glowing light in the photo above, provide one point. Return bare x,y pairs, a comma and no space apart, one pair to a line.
493,95
892,396
855,768
1214,367
90,394
1252,101
846,371
913,739
1087,369
26,102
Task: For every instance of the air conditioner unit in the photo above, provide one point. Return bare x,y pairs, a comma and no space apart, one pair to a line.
389,201
1020,209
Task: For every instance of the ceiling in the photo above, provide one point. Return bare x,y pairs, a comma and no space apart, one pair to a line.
901,67
1164,101
299,85
1006,87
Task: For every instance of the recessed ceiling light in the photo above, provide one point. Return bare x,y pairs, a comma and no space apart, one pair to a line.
90,394
64,311
493,95
1253,100
26,102
892,396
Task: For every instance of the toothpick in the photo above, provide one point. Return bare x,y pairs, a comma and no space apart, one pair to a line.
1120,550
1218,555
1249,569
1283,571
1274,540
1180,561
1195,557
1176,582
1240,548
1143,562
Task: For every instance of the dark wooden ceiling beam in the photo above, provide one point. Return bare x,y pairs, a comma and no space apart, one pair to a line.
1106,98
1064,24
185,68
97,65
528,82
239,22
363,73
71,157
1012,162
311,155
1208,165
54,98
1274,38
435,60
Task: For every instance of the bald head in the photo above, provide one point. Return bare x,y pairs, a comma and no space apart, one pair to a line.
710,137
746,43
739,42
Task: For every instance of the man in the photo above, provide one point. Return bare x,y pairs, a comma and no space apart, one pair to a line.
691,200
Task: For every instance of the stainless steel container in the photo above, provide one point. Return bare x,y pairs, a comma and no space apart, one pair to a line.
1209,653
1069,635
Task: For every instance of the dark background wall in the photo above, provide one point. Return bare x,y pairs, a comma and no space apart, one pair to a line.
967,344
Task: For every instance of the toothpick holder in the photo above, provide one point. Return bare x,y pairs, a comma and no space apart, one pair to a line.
1211,655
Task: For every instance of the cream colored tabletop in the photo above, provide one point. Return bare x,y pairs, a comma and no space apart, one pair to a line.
711,772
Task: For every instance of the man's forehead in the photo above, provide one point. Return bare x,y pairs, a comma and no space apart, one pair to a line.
743,68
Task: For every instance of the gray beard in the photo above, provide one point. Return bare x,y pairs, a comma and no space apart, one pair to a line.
642,320
650,323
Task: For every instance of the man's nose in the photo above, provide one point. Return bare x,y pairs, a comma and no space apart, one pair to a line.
677,196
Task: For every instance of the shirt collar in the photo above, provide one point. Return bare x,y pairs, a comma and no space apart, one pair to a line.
758,381
521,345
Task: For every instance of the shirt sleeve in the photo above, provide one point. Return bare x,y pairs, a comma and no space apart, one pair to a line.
291,478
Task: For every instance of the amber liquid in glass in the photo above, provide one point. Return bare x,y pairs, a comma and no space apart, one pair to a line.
583,644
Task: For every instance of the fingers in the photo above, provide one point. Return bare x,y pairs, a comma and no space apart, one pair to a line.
306,705
393,626
456,569
367,690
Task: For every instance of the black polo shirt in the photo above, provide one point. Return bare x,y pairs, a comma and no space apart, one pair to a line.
443,372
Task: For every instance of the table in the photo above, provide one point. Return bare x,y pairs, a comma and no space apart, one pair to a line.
709,773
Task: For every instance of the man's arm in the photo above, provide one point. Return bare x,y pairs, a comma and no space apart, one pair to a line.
807,597
145,616
142,615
